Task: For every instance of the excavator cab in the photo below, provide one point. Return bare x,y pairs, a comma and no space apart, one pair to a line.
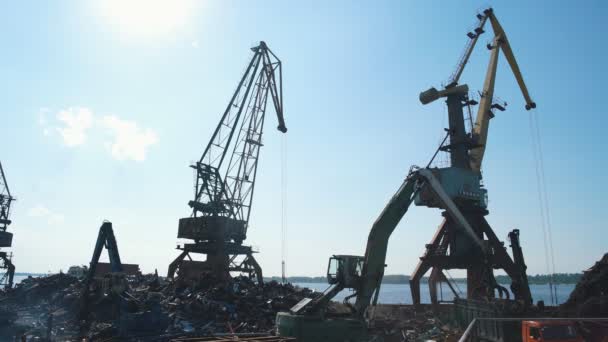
345,270
308,321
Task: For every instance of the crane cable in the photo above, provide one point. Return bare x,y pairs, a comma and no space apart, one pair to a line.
283,206
543,202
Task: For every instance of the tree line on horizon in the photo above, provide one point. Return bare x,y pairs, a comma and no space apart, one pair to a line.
558,278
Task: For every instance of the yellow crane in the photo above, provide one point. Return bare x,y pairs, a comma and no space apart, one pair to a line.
463,177
484,113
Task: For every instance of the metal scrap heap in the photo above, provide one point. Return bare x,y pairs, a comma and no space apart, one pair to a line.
239,305
403,323
27,307
153,310
590,296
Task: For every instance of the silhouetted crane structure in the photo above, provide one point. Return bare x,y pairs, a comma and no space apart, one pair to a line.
225,181
7,269
464,240
450,248
118,283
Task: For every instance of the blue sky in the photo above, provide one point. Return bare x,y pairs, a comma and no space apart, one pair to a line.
106,104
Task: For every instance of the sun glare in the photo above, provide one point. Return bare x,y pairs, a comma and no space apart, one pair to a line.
146,17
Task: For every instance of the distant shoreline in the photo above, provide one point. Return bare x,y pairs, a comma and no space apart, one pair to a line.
25,274
539,279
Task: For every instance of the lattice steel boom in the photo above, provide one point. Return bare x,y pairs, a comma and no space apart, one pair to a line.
232,194
227,169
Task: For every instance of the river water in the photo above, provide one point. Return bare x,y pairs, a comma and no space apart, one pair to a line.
400,293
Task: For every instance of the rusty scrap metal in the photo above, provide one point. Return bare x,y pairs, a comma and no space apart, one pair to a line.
153,309
250,338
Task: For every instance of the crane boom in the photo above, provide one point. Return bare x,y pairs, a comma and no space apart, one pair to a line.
230,194
484,114
482,121
468,50
506,49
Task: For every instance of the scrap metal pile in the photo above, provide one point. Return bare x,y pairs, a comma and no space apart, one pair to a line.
403,323
153,310
27,307
590,296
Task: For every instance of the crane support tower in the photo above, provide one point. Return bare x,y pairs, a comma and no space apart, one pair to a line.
450,248
7,269
225,182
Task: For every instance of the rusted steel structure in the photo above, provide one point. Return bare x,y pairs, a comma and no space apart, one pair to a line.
7,269
225,181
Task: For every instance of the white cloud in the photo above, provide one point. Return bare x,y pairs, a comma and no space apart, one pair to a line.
130,141
76,123
38,211
45,213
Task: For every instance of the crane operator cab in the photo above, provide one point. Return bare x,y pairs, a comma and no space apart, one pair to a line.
345,270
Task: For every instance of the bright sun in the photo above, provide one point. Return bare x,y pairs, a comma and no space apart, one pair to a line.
146,17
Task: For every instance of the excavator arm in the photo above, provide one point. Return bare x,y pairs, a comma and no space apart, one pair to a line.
105,239
385,224
307,321
367,283
377,241
375,255
484,114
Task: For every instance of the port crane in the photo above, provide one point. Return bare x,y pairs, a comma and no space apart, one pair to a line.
225,181
464,240
449,249
7,268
